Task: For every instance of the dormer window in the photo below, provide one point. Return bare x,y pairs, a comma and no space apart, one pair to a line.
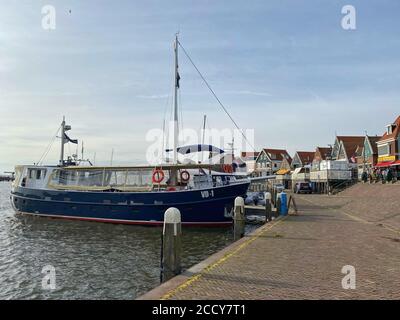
390,128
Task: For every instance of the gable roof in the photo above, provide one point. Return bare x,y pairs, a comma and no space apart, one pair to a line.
395,132
351,143
323,151
279,154
373,140
306,157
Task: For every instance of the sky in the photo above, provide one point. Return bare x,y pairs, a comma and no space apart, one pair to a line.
286,69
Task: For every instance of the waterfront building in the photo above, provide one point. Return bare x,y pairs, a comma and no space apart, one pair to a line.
335,168
389,147
284,174
269,161
302,158
320,154
367,155
345,149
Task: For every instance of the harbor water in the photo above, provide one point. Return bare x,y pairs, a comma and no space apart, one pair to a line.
91,260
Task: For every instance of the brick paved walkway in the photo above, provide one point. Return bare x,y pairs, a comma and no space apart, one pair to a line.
301,257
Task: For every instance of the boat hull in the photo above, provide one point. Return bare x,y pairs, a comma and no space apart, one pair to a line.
206,207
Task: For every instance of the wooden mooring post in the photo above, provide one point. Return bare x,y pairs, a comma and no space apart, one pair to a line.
268,207
239,220
171,244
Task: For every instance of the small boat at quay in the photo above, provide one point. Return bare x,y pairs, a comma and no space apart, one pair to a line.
202,192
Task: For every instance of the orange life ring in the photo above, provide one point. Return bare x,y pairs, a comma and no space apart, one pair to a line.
227,168
185,176
158,176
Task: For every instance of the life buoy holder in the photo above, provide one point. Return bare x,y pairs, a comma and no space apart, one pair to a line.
158,176
185,176
227,168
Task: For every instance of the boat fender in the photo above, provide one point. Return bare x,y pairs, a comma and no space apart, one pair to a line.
158,176
185,176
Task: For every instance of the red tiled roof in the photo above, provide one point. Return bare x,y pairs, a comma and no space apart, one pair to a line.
373,140
279,154
351,143
324,152
395,132
306,157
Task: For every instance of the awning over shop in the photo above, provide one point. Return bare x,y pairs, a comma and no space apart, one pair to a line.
396,163
384,164
282,171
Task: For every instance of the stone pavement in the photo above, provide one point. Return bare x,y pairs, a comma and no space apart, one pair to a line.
300,257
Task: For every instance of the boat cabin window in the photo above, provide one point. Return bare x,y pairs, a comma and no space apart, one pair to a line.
37,174
104,178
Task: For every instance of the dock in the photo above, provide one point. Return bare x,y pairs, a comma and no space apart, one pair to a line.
305,256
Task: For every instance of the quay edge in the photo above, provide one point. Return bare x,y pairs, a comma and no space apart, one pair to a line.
167,289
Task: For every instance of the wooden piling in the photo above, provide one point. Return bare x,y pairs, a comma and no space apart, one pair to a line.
268,207
171,244
238,219
278,204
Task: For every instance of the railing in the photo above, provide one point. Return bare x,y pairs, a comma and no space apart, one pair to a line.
338,187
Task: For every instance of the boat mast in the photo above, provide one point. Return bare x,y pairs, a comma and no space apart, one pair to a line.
204,128
176,126
62,142
203,137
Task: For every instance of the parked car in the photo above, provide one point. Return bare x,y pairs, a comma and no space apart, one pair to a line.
302,187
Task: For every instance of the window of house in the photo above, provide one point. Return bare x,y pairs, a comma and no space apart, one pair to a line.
383,149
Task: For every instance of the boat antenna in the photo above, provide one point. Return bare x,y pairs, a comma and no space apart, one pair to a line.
215,96
112,156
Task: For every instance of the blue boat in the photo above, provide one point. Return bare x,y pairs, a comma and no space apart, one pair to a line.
204,193
95,194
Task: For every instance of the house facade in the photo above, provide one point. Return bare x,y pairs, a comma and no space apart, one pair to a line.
389,147
302,158
269,161
320,154
346,149
367,155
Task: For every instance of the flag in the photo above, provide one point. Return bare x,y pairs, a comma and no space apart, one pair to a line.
178,77
68,139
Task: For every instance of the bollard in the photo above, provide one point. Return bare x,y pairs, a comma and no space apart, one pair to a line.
238,219
278,204
268,208
171,244
284,207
